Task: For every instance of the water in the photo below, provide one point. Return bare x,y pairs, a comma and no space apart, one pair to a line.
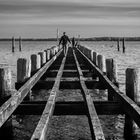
109,49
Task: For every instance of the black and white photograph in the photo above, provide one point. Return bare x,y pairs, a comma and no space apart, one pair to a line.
69,69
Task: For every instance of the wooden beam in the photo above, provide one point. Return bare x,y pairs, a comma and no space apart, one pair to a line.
69,108
95,125
129,106
69,71
42,127
69,84
72,79
11,104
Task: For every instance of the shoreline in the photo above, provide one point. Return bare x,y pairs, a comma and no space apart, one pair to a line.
81,39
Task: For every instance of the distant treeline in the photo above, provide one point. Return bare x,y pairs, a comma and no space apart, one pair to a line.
81,39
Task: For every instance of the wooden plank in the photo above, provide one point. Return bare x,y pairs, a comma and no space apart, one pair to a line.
42,127
69,108
69,71
11,104
75,84
93,117
63,79
129,106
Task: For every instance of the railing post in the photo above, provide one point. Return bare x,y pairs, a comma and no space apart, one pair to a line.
132,91
111,72
23,73
5,92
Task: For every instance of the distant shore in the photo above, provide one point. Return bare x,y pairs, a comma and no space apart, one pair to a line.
81,39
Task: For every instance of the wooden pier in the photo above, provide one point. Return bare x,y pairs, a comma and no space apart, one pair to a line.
80,69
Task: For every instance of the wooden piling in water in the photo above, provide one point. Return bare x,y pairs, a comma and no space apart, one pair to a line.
20,44
101,63
48,55
5,92
13,44
24,72
94,57
123,45
35,62
111,73
42,57
118,44
132,91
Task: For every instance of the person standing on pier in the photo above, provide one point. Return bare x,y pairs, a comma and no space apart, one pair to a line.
64,40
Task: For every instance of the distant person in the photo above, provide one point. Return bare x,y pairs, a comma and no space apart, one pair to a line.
73,42
64,40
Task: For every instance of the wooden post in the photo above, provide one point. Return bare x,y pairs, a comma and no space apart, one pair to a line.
23,72
123,45
42,57
51,52
5,92
111,72
13,44
101,63
35,63
20,44
48,55
118,44
95,58
132,91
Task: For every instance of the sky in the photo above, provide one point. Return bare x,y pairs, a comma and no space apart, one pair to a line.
87,18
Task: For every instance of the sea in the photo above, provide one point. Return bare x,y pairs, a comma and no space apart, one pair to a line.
131,58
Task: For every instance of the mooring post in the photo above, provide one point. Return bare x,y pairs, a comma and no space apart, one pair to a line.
111,72
48,55
118,44
20,44
42,57
35,63
95,58
13,44
51,52
123,45
132,91
5,92
23,73
101,63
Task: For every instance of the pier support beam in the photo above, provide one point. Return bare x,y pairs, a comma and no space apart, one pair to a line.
35,63
111,72
132,91
24,72
5,92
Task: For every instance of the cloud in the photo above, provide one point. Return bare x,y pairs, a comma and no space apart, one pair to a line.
46,13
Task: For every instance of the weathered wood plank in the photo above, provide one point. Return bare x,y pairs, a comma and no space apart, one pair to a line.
71,79
10,105
93,117
129,106
65,84
41,129
69,108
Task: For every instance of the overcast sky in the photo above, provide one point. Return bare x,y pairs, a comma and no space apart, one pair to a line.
89,18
